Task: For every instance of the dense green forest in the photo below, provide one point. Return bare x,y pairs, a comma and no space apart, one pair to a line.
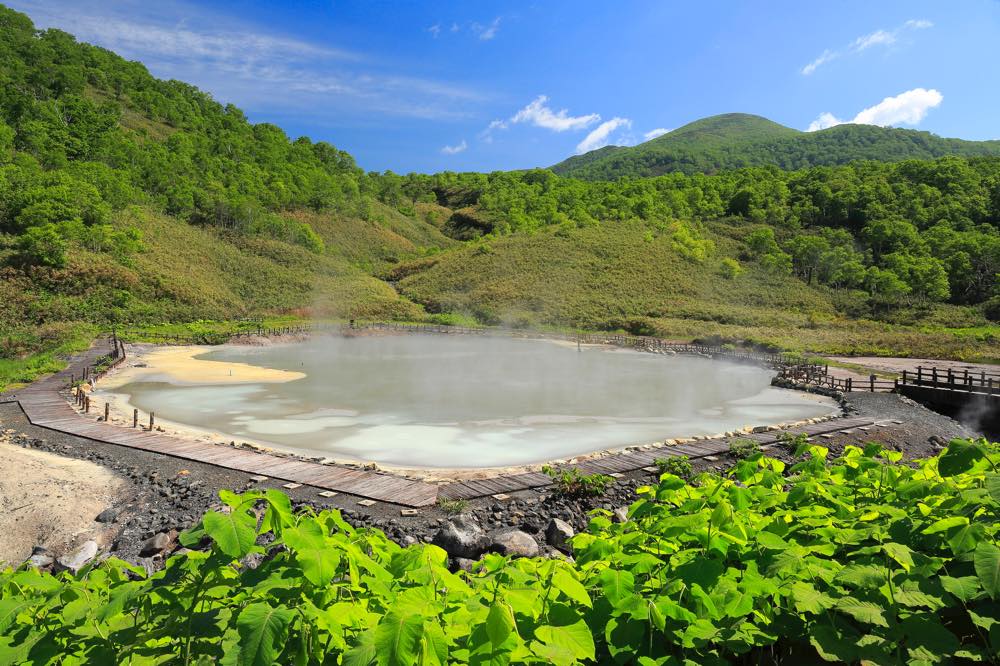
738,140
130,201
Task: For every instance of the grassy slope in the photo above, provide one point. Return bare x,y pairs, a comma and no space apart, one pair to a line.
611,276
185,273
738,140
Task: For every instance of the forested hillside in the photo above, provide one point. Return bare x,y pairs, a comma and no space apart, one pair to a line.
126,201
738,140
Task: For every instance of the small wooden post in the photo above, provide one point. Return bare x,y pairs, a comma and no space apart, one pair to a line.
107,411
850,384
135,418
920,375
871,381
151,421
904,379
86,404
934,376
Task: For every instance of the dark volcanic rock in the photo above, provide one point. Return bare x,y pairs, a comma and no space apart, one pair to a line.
558,533
107,516
157,543
462,537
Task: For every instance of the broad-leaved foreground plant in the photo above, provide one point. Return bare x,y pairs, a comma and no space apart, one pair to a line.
858,559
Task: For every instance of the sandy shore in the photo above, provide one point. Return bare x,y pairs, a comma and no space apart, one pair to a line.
179,365
50,501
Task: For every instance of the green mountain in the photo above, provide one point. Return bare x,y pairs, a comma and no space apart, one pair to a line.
738,140
127,201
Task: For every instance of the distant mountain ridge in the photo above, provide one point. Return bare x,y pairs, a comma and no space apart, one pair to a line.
737,140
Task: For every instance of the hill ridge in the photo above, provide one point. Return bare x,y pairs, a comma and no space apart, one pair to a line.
737,140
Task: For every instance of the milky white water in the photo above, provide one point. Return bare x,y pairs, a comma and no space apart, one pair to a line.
463,402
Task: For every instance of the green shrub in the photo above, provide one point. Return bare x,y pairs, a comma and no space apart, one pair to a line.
858,559
743,448
730,268
574,483
42,245
453,506
676,465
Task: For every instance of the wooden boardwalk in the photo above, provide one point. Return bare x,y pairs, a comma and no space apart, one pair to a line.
620,463
45,404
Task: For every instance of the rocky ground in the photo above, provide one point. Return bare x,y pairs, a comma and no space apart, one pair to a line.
156,496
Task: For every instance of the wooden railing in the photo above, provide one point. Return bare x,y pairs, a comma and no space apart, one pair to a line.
947,379
944,379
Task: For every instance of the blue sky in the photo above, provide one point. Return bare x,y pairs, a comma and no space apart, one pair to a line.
482,86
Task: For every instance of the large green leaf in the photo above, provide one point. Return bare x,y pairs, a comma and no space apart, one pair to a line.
945,524
993,485
263,630
234,533
862,611
965,588
10,609
564,644
987,563
960,456
618,585
397,638
808,599
499,623
318,560
564,581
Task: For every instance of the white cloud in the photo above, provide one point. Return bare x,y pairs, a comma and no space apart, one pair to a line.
825,57
435,30
908,108
540,115
653,133
454,150
600,135
487,32
487,134
865,42
252,65
825,119
873,39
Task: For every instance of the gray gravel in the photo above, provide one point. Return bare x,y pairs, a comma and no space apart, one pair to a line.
166,494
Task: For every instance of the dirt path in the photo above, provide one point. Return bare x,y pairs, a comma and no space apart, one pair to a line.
895,366
48,500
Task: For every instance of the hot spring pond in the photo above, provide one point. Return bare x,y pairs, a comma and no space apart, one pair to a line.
461,402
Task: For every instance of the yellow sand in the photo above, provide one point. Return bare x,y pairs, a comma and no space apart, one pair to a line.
180,366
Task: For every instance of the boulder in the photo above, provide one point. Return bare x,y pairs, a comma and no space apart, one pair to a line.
558,533
514,542
462,564
40,558
157,543
107,516
462,537
77,559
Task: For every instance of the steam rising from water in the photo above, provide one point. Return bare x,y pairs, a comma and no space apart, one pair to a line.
462,402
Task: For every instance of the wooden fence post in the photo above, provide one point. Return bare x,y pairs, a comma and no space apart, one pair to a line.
135,418
86,404
151,422
107,411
